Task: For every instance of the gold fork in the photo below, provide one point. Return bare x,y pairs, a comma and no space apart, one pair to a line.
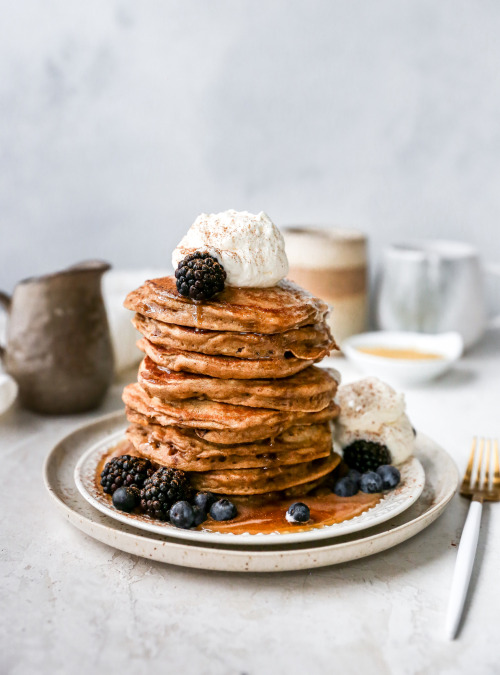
479,485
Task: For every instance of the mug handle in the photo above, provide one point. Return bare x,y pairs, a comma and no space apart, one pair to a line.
494,270
5,302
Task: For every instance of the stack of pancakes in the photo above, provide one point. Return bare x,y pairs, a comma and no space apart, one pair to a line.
227,390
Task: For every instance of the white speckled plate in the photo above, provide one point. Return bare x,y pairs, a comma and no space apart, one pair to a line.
393,503
441,478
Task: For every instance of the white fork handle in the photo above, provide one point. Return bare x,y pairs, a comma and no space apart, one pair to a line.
463,568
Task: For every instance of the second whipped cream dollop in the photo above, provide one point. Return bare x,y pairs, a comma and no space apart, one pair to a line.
371,410
249,247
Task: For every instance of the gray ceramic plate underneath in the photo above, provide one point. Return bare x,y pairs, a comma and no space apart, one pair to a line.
440,484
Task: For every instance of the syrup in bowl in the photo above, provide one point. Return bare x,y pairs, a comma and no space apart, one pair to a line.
403,358
399,353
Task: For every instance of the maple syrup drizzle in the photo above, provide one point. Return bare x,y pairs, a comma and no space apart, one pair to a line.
198,314
265,514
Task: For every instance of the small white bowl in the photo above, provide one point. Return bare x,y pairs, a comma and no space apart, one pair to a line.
449,346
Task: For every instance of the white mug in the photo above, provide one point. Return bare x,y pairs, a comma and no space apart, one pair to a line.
433,287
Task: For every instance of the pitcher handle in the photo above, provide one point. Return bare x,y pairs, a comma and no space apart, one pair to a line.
494,270
5,301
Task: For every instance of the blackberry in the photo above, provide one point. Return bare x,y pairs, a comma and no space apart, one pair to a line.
199,276
366,456
126,471
163,489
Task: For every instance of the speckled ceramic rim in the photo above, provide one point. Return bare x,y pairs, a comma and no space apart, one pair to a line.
393,503
441,484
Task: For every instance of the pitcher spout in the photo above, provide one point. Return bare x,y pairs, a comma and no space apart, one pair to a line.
97,266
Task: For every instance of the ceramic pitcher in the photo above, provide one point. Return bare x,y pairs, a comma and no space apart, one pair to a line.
58,344
433,286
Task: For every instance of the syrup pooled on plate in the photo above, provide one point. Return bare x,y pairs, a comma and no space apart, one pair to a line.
265,514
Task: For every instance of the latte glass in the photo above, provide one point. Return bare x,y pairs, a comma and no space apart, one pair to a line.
331,263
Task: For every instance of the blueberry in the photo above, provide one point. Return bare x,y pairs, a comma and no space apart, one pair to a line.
355,476
345,487
200,515
370,482
124,499
223,509
182,515
298,513
203,500
390,476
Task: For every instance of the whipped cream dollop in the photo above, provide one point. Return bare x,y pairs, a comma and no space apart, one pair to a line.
371,410
249,246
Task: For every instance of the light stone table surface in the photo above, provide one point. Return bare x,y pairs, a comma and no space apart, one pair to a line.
72,605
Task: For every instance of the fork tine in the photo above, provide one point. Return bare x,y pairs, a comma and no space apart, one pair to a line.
496,475
487,463
477,482
468,472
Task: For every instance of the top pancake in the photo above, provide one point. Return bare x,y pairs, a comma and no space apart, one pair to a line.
256,310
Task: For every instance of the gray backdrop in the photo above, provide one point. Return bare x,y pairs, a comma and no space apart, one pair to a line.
120,121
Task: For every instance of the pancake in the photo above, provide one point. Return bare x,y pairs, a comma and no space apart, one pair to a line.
301,490
258,481
307,342
256,310
203,456
218,422
309,390
126,447
223,367
191,445
230,436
